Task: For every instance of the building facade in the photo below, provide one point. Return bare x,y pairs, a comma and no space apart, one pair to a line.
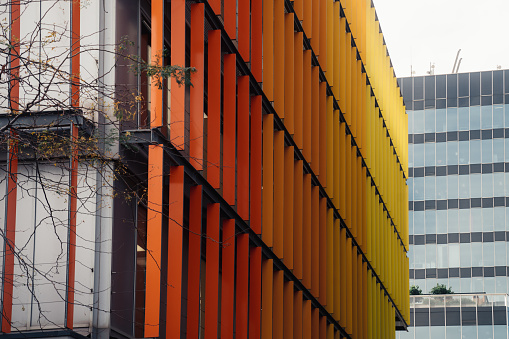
196,169
458,188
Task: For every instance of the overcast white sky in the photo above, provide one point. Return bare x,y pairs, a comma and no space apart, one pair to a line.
418,32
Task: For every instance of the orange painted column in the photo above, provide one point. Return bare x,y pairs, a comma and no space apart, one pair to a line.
315,241
175,223
289,166
196,91
216,6
243,30
256,39
288,309
228,279
277,305
279,194
297,315
212,272
267,298
255,177
323,251
154,236
73,203
268,180
298,219
255,292
214,109
243,147
157,37
178,58
230,18
306,233
193,262
229,127
242,287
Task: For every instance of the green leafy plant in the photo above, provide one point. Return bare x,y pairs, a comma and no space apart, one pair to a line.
441,289
415,290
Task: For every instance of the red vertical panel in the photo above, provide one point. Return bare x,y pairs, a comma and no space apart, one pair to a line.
178,57
212,272
157,28
71,269
176,220
216,6
230,18
229,127
243,148
214,109
10,231
242,286
243,30
256,39
193,263
154,228
255,291
256,165
228,279
196,91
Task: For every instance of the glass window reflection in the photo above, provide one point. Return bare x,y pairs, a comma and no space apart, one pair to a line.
475,151
475,118
452,153
429,121
441,120
486,154
486,117
452,119
463,152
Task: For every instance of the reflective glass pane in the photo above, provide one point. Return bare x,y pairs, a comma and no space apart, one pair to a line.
431,256
441,217
419,256
441,152
498,116
419,155
430,222
487,219
463,119
441,187
499,218
488,254
475,118
429,121
477,286
500,250
477,254
440,119
454,255
464,152
475,151
500,332
476,219
452,216
410,183
487,185
429,154
489,287
410,155
429,183
453,332
498,150
452,186
452,119
500,285
442,256
465,259
487,151
464,220
418,121
464,186
486,117
466,285
475,185
418,189
452,153
418,222
498,184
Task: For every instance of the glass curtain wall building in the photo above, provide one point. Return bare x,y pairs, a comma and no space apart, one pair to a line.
458,127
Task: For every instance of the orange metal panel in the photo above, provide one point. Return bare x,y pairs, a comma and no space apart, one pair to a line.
279,57
243,148
298,88
229,127
256,165
306,233
255,291
288,207
193,262
297,315
268,180
306,319
323,251
154,236
178,57
289,72
322,132
315,121
10,224
214,109
352,178
279,193
277,306
196,91
337,274
307,18
349,287
212,271
315,42
354,292
175,222
216,6
267,288
256,39
297,219
298,7
268,49
227,278
71,269
343,276
307,106
315,241
288,298
243,37
230,18
323,327
322,58
242,287
315,322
